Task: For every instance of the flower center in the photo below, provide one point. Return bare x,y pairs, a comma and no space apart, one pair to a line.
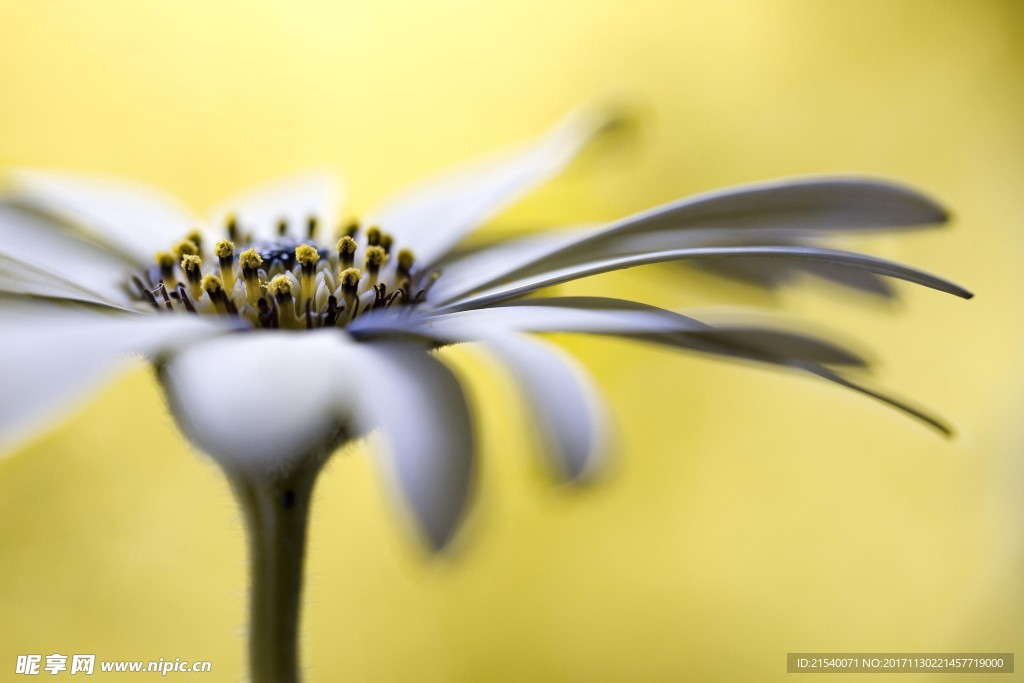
284,282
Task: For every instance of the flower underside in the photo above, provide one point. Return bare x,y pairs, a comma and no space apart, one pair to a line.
284,282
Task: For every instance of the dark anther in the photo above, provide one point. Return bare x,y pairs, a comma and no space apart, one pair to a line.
311,224
394,297
166,296
183,297
267,315
233,228
144,291
420,297
379,292
282,227
288,499
332,311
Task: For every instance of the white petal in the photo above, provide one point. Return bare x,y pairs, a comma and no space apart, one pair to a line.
751,214
293,199
431,219
562,400
833,257
771,274
259,402
421,409
52,353
488,265
740,334
746,342
18,277
128,217
40,256
742,338
813,203
487,323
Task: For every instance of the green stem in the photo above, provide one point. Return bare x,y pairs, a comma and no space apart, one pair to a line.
277,512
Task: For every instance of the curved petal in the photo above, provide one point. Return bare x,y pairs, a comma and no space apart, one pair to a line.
562,400
259,403
817,203
39,256
489,265
833,257
616,317
293,199
754,214
421,409
640,322
127,217
737,327
903,406
747,342
433,218
20,278
52,353
772,274
484,323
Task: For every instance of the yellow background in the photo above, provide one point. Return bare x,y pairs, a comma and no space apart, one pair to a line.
748,513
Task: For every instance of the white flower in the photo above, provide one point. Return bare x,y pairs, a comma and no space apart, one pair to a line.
277,339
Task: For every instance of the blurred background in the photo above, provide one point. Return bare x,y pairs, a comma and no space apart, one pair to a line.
747,514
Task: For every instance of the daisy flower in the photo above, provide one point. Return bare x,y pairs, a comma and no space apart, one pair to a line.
279,333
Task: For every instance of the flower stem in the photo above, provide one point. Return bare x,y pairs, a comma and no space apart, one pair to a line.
276,511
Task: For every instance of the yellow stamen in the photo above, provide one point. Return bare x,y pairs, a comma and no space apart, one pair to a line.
193,267
307,257
375,256
232,227
348,229
186,248
373,234
350,278
289,282
196,238
405,260
212,284
280,288
166,261
214,289
225,251
250,262
250,259
346,252
404,269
